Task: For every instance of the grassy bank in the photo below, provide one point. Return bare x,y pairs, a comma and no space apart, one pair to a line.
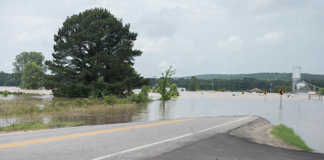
37,126
288,135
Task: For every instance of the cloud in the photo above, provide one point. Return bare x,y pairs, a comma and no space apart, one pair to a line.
232,42
271,36
198,37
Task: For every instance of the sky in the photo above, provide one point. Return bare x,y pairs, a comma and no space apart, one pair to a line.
195,37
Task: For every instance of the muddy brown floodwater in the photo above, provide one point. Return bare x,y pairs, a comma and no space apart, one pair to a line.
297,111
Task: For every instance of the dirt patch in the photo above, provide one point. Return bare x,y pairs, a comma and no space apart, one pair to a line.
258,131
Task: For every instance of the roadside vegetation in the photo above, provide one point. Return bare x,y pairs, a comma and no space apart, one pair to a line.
38,126
288,135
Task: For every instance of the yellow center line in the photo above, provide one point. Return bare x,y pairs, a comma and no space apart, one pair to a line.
78,135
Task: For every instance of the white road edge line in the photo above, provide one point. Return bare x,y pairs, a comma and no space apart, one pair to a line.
168,140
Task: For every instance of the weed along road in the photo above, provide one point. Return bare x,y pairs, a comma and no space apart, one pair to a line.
141,140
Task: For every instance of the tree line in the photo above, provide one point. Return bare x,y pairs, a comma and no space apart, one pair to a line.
194,84
9,79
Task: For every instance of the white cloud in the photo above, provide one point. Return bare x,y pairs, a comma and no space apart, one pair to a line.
271,36
232,42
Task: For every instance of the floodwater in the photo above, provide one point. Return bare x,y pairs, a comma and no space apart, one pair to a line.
297,111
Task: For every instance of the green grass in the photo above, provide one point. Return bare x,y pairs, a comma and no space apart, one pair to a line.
6,93
288,135
38,126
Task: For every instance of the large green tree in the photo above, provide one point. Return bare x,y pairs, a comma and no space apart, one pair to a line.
32,76
27,57
93,55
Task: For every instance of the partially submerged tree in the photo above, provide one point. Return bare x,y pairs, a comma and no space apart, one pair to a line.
32,76
93,55
165,83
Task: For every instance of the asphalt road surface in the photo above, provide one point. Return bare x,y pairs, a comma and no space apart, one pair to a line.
189,138
226,147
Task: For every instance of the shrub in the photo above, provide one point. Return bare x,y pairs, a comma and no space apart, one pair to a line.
5,93
143,96
110,99
145,91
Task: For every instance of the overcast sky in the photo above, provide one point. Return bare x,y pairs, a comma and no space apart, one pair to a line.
195,36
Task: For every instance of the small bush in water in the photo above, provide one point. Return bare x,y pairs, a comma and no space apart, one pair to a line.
5,93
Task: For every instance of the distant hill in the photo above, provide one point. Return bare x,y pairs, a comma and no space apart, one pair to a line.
318,77
259,76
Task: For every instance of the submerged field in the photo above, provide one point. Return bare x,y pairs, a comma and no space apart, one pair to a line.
28,113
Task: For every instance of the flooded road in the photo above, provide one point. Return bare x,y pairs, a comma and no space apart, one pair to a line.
297,111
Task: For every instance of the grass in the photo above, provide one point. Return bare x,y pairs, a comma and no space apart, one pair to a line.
288,135
38,125
6,93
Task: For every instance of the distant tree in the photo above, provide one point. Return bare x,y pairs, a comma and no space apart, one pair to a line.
194,84
9,79
4,77
277,88
32,76
27,57
321,91
164,84
93,55
14,80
